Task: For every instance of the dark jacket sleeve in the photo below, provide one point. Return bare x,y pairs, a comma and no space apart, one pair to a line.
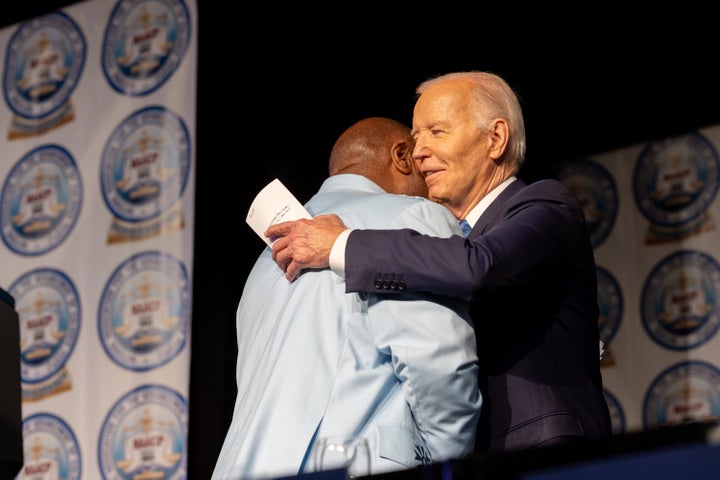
528,241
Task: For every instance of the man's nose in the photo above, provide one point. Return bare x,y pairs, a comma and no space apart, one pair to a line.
420,152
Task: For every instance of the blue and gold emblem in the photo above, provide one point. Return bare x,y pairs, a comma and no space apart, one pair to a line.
684,393
144,312
145,42
48,307
680,300
51,449
44,60
41,200
674,183
143,436
144,170
596,191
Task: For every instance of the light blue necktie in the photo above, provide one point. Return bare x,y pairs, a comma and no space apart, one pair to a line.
465,227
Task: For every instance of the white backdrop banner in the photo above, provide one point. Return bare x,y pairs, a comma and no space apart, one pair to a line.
652,210
97,173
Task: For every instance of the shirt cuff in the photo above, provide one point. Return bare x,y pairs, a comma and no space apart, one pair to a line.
337,253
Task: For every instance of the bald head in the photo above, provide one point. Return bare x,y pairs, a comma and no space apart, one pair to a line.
380,149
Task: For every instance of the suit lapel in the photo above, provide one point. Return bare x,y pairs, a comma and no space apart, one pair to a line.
494,209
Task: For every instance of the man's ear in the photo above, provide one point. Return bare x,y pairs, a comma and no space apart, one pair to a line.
402,157
499,135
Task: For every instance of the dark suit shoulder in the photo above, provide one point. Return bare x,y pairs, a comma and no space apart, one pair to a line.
548,189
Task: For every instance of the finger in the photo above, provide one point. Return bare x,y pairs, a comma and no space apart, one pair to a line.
278,230
292,271
283,260
278,248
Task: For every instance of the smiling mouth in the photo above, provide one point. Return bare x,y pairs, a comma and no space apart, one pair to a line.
429,172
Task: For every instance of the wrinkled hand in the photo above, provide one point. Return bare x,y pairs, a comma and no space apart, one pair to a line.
304,243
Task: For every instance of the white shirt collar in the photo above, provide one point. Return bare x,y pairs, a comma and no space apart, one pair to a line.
482,205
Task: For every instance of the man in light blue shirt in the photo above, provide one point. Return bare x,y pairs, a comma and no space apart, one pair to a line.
313,361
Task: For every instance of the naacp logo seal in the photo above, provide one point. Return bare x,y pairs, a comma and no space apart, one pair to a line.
680,300
51,449
144,311
143,436
49,312
144,43
683,393
143,173
44,60
595,190
41,200
674,182
610,302
617,415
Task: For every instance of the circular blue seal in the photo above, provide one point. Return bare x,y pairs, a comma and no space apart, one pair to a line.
144,43
676,179
145,164
43,63
143,313
617,415
680,300
49,312
41,200
683,393
610,302
51,449
596,191
143,435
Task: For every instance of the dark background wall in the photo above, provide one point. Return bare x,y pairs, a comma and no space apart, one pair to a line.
276,87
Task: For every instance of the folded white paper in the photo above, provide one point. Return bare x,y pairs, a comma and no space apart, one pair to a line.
274,204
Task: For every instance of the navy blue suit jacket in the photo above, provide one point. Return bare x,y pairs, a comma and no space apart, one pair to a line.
528,267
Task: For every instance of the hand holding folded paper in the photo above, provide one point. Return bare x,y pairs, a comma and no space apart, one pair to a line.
274,204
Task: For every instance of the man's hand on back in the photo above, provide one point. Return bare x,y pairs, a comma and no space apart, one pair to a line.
304,243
